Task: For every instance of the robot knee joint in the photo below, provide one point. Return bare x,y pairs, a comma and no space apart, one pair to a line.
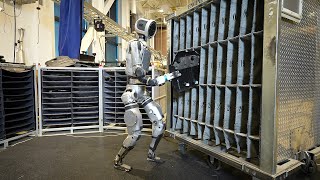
158,128
131,140
128,97
132,115
154,111
135,137
160,125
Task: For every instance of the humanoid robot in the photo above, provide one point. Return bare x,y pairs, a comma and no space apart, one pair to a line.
137,64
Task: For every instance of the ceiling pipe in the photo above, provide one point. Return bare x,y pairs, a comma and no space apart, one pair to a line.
133,6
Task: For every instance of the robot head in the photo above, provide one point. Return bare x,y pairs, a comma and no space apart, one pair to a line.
146,27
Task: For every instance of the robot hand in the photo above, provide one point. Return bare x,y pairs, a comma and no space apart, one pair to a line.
167,77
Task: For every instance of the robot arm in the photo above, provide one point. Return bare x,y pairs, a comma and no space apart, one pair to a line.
139,69
158,81
161,80
135,53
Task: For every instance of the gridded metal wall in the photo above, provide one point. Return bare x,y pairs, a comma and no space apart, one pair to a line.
17,103
114,84
69,97
225,108
299,83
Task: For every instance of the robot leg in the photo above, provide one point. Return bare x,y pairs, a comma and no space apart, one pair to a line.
155,114
133,120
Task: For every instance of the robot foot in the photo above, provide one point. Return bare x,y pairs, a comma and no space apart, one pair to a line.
154,158
123,167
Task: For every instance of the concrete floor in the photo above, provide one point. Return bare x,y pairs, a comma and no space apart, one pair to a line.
90,157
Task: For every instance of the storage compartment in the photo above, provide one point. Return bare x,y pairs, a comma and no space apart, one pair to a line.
69,97
257,103
230,65
17,112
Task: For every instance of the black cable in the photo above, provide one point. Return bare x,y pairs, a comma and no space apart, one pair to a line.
38,8
15,31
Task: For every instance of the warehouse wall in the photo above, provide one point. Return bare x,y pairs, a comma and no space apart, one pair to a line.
37,50
160,40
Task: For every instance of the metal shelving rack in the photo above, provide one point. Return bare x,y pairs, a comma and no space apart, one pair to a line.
84,99
257,104
226,103
18,108
69,99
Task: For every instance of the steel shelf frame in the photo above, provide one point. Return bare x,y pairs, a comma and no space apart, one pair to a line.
117,88
75,95
228,131
24,126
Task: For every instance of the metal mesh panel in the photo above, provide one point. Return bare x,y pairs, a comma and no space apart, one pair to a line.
298,83
225,108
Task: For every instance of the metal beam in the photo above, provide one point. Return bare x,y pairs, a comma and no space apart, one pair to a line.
269,119
107,6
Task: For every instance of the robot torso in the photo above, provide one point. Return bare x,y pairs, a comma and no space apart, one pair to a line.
138,55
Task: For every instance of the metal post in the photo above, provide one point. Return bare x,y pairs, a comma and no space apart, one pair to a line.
36,98
39,120
269,120
168,97
101,99
5,144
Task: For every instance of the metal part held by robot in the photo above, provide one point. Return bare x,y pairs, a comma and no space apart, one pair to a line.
138,57
188,65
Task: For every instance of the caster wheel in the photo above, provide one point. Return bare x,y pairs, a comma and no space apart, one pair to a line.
182,148
214,163
309,169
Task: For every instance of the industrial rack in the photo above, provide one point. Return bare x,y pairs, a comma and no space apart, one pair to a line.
17,101
69,99
80,100
245,109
